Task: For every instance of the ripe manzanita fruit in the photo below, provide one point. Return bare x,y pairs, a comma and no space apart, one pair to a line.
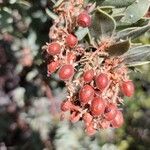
52,67
66,72
88,75
84,20
97,106
110,112
54,48
71,40
94,77
86,94
118,120
127,88
101,81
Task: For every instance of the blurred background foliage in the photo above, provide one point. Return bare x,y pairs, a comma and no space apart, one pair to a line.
29,100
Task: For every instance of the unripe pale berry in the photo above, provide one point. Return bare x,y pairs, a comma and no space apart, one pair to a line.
101,81
52,67
118,121
110,112
71,41
86,94
88,76
66,105
97,106
54,48
84,20
66,72
128,88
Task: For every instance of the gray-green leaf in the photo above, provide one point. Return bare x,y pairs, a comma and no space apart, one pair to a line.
51,14
58,3
132,32
119,48
137,63
117,3
136,11
137,54
81,33
103,25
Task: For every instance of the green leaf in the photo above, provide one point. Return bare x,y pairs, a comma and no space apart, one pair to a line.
103,25
136,11
137,54
107,9
25,3
51,14
5,18
119,48
137,63
117,3
81,33
58,3
132,33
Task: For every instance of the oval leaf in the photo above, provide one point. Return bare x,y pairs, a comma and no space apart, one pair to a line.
132,32
137,54
103,25
118,3
119,48
136,11
137,63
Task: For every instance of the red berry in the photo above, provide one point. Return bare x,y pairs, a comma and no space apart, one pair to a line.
88,76
97,106
52,67
71,40
54,48
87,118
118,120
66,105
66,72
110,112
102,81
128,88
86,94
84,20
71,57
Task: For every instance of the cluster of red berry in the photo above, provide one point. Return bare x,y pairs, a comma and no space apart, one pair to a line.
93,88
